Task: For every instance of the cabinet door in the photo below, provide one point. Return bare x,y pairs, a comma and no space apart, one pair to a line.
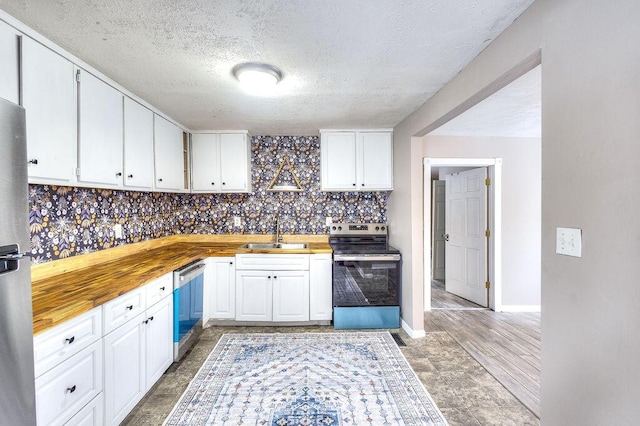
100,132
253,296
220,288
159,340
124,369
91,414
338,157
375,152
291,296
168,155
49,98
205,162
10,69
62,391
138,145
320,287
234,162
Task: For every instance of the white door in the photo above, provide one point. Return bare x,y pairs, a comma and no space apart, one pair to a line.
375,151
220,288
233,162
291,296
49,98
320,287
438,230
338,152
254,295
10,69
168,155
124,370
100,131
466,223
138,145
205,162
159,340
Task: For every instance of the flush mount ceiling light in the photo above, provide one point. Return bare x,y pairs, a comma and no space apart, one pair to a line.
256,77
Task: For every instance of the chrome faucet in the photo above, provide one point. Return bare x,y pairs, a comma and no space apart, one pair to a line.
278,234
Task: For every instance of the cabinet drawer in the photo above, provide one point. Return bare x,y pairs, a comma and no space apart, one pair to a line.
158,289
91,415
122,309
65,340
273,262
64,390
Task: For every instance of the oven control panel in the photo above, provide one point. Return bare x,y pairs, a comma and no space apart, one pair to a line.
358,229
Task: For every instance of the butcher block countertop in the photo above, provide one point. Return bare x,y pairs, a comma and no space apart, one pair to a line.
65,288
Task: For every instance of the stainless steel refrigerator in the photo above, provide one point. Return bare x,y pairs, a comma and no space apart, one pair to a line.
17,393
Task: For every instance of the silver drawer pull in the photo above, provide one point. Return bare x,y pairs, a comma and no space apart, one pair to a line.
72,389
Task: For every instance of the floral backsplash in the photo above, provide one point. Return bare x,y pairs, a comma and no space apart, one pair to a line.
66,221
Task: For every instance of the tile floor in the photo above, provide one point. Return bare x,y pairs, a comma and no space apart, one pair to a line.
463,390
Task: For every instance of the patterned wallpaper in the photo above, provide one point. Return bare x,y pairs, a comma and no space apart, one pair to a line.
65,221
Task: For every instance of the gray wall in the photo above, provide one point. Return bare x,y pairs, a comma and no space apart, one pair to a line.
590,107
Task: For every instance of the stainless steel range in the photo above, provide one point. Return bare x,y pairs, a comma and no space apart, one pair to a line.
366,276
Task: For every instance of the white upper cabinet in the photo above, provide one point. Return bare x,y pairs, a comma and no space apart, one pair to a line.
338,159
10,59
138,145
169,155
359,160
375,162
100,132
220,162
49,98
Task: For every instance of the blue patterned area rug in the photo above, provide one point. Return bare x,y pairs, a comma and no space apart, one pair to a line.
305,379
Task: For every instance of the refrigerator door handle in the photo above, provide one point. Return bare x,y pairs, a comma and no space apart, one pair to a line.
14,256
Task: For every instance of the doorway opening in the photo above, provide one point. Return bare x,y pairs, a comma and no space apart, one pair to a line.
483,264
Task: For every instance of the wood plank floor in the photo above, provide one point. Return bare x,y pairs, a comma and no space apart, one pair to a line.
507,345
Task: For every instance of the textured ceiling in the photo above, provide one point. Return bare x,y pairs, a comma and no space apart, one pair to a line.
513,111
346,64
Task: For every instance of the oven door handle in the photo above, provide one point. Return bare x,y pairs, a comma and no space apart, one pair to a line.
371,258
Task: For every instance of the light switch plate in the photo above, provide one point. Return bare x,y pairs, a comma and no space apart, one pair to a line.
328,221
236,221
569,241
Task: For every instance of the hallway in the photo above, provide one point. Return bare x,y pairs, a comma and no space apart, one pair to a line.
507,345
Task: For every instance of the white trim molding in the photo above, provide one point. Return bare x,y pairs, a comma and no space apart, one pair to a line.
521,308
414,334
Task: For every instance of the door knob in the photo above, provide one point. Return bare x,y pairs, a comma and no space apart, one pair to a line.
446,237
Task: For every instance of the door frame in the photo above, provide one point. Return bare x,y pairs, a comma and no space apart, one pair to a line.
494,204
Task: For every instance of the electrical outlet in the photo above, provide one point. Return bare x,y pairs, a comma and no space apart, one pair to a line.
328,221
236,221
569,241
117,231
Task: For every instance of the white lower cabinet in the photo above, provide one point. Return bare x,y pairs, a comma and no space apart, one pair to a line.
65,389
159,341
136,354
320,287
254,298
91,415
291,296
124,364
272,287
219,289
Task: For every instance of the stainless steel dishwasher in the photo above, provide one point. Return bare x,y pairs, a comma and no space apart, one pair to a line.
188,283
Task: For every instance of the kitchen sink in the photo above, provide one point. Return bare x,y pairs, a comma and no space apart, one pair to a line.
275,246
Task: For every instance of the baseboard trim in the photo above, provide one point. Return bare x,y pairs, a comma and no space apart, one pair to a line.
414,334
521,308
